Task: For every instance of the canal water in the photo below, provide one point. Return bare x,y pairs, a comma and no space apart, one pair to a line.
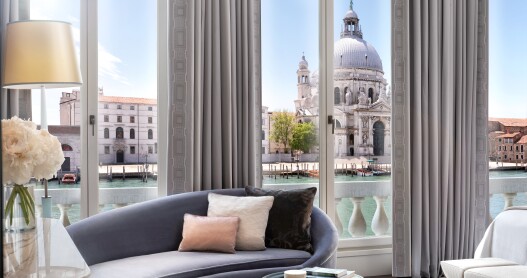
344,208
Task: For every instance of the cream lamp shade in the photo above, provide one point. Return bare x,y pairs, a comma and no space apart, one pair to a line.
40,53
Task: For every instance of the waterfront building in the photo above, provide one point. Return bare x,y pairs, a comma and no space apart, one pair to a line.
127,127
507,140
69,137
362,105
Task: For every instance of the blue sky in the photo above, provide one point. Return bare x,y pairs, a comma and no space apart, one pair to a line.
127,47
290,27
507,58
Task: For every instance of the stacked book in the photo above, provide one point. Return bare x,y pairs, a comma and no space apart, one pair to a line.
315,272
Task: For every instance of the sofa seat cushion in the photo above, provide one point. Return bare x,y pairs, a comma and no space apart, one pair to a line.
197,264
457,268
514,271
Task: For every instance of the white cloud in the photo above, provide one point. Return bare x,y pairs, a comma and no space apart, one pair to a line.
109,66
108,63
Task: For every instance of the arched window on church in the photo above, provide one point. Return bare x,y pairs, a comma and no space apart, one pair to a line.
106,133
370,95
150,134
132,133
337,124
66,148
337,96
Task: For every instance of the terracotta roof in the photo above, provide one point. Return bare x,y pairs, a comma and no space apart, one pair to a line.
510,121
134,100
509,135
64,129
523,140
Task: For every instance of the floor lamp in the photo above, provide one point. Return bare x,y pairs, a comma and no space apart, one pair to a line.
41,54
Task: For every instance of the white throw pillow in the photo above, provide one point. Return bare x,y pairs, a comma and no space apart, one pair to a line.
253,213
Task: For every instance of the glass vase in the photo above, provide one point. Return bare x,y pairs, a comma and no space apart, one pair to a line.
21,216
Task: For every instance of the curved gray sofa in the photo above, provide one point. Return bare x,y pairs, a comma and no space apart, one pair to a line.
141,240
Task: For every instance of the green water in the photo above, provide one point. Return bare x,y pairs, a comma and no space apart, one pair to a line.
74,211
344,207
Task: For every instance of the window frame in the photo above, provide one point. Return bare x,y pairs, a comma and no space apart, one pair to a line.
89,188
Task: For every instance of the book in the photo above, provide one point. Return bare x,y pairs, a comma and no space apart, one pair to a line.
349,274
325,272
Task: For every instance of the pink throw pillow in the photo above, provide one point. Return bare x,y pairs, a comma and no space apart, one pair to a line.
207,233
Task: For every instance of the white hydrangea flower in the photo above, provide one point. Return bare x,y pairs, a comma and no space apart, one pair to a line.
49,156
28,152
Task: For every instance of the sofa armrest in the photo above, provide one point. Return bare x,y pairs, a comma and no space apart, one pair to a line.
324,237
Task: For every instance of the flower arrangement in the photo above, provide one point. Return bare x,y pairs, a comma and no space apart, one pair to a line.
27,153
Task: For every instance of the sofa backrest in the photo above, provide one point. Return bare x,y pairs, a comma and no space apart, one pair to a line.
145,228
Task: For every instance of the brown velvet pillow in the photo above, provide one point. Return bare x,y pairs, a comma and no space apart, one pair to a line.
289,221
207,233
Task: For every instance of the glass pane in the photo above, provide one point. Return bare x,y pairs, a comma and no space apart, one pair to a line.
362,112
290,95
507,140
127,117
63,117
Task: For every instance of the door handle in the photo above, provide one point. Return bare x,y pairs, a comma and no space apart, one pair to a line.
92,123
331,122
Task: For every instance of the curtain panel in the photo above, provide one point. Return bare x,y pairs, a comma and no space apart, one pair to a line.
440,161
215,95
13,102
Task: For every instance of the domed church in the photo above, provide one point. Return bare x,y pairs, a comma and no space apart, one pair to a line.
362,108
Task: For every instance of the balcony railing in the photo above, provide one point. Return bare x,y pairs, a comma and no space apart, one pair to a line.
355,192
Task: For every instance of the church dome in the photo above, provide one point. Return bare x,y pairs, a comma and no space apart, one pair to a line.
351,14
303,63
351,52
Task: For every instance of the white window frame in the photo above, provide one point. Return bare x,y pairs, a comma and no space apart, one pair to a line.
350,246
89,102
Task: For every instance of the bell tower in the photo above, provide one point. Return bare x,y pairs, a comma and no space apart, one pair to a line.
304,89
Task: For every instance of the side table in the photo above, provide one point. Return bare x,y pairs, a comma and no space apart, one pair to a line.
46,251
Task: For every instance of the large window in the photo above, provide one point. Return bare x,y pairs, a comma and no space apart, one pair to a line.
507,111
125,84
291,95
127,76
357,170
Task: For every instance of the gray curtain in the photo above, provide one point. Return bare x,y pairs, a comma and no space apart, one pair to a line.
440,182
215,95
13,102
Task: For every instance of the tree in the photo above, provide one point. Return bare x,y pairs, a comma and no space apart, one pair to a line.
282,128
304,137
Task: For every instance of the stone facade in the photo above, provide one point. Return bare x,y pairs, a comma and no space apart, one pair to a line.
266,129
507,140
127,127
69,137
